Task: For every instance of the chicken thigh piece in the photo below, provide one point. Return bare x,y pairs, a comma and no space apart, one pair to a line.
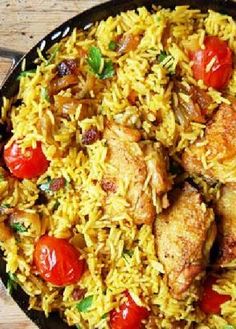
225,209
214,155
184,233
141,167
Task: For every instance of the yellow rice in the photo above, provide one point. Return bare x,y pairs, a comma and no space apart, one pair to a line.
80,201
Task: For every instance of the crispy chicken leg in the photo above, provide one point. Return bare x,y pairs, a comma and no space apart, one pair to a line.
214,155
142,167
225,209
184,233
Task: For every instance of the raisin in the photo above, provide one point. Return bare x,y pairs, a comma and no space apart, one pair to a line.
57,183
78,293
90,136
108,185
67,67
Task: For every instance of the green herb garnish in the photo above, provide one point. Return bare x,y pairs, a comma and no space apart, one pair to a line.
167,61
127,252
95,59
112,45
25,73
52,56
228,326
127,255
5,205
56,205
108,70
44,94
45,187
18,227
162,56
85,304
11,282
105,315
100,67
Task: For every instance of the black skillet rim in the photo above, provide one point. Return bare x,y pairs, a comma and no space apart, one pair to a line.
82,20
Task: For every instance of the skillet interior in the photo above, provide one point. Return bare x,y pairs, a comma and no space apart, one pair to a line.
83,20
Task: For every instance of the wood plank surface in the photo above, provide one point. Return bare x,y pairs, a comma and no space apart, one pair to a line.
22,24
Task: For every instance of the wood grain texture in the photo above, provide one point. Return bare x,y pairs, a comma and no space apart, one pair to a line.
22,24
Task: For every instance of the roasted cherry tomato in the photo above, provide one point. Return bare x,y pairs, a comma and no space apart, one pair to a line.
214,64
58,261
30,164
128,316
211,301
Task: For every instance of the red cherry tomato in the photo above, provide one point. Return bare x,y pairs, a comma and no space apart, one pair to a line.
129,315
58,261
214,64
30,164
211,300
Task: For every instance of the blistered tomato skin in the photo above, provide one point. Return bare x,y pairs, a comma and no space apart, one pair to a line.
214,64
211,300
129,315
58,261
29,164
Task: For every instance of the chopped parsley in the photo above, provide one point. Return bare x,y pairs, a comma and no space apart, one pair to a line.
105,315
162,56
5,205
85,304
127,252
112,45
228,327
108,70
11,282
167,61
100,67
56,205
52,56
18,227
25,73
77,326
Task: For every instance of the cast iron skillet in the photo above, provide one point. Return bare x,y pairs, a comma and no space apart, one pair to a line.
83,20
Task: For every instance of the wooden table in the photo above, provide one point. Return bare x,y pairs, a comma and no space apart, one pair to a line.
22,24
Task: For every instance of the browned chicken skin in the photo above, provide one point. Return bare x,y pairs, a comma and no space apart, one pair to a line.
134,162
225,209
219,146
184,233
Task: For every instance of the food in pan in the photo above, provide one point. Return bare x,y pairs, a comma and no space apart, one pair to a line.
118,173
